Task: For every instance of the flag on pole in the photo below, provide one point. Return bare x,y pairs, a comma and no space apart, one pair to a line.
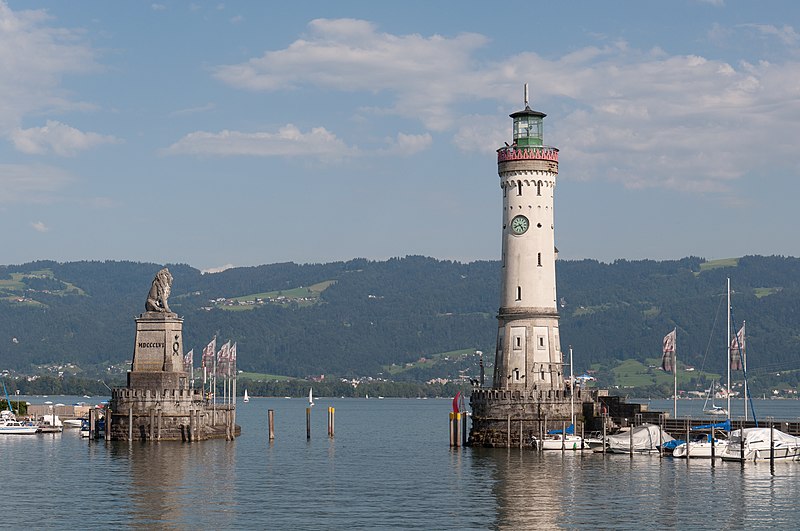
668,357
222,359
737,350
188,361
208,352
232,359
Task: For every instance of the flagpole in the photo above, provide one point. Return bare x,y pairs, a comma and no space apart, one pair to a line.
675,375
571,391
728,347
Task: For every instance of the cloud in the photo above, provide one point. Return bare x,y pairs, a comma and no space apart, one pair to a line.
158,7
36,58
31,184
288,141
639,117
194,110
786,34
219,269
39,226
57,137
351,55
405,144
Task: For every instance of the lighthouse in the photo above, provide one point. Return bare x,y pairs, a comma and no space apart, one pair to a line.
528,352
528,395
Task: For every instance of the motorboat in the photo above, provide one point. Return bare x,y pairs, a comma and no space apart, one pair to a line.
753,444
559,440
703,445
15,427
72,423
644,439
50,424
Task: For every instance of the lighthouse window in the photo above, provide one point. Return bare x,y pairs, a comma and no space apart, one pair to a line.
541,341
519,293
519,187
539,259
539,188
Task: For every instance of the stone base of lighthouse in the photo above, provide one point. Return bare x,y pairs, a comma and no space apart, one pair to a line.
503,418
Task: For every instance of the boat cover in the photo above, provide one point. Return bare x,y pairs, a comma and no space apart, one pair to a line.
646,437
717,426
754,435
570,431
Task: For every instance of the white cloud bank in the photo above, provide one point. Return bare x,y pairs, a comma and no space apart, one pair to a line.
57,137
640,117
288,141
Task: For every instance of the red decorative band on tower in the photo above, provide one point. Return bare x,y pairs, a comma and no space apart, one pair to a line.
527,153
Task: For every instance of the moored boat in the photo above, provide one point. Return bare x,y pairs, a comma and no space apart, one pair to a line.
753,444
15,427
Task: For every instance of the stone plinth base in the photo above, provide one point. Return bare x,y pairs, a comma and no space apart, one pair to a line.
168,415
503,418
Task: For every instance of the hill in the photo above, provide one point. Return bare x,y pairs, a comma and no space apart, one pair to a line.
399,318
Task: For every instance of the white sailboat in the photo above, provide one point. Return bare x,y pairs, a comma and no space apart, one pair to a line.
246,398
311,397
713,409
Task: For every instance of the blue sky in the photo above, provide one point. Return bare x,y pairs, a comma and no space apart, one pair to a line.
244,133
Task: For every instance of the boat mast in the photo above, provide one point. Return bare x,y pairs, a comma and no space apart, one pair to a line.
744,370
727,348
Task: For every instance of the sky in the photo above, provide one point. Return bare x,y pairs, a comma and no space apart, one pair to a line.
221,134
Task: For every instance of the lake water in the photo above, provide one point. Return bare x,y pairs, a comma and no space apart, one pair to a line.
388,466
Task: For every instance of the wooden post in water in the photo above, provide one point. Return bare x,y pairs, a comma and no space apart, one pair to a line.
583,429
660,435
92,420
450,418
604,433
508,432
457,430
687,440
159,424
151,429
271,423
130,424
741,441
563,436
308,423
630,439
520,433
331,421
107,433
713,442
771,447
464,438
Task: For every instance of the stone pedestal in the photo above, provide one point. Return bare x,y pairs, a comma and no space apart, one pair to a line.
157,404
158,353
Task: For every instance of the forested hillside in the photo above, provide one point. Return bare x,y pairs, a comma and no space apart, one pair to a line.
356,318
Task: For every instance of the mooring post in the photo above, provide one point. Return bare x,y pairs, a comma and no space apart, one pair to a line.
583,434
159,424
308,423
544,434
92,420
630,438
130,424
508,432
191,425
741,441
688,427
450,417
713,442
604,433
271,423
660,435
151,429
771,447
464,437
563,436
457,430
107,433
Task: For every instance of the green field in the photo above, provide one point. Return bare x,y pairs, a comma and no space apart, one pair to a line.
632,373
261,377
715,264
430,361
303,296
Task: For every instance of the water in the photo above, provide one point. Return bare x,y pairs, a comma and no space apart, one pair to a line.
389,466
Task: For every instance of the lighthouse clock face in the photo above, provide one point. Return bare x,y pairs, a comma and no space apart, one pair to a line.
519,224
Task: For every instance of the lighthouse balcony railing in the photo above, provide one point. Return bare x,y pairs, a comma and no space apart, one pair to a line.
509,153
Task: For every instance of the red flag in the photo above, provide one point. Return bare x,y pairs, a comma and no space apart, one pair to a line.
455,402
208,353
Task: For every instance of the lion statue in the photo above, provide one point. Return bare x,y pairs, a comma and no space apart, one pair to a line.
159,293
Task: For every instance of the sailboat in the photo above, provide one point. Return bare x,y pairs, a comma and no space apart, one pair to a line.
310,397
713,409
246,398
563,439
701,447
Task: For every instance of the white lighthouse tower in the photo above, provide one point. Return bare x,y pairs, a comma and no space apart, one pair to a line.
528,392
528,353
